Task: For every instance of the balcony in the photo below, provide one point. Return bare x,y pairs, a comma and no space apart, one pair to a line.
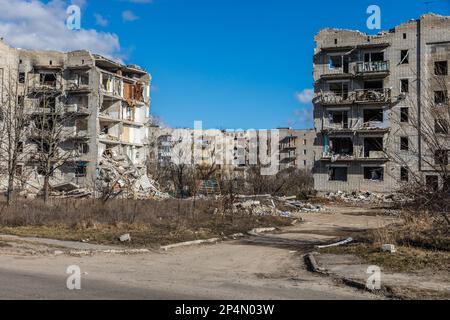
373,96
77,109
372,68
351,97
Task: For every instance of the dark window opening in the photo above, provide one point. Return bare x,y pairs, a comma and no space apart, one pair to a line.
440,97
341,146
336,62
21,77
441,68
335,41
105,129
21,101
373,148
338,174
48,103
441,126
404,143
404,36
374,57
340,89
432,183
339,118
441,157
404,85
80,170
20,147
404,174
374,173
373,85
48,79
404,57
373,115
404,115
83,148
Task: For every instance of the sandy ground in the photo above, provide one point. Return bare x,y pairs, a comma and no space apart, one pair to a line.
269,266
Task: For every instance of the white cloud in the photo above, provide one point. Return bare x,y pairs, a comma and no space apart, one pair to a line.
305,96
100,20
42,26
129,16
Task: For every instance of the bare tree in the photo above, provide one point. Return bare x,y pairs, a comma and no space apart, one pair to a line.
51,126
13,122
425,141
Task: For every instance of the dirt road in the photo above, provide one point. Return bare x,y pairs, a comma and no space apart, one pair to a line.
258,267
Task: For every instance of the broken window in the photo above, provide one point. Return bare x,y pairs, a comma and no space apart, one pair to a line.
341,146
404,115
83,148
373,85
404,143
373,115
48,79
432,182
441,126
80,170
374,57
441,157
338,174
374,173
404,85
441,68
20,101
404,57
339,89
48,103
339,118
21,77
373,147
404,174
440,97
335,62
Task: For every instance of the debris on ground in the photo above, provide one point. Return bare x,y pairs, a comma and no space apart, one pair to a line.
261,205
337,244
389,248
125,238
367,196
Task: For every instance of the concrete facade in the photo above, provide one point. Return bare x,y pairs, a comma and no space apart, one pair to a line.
109,101
371,100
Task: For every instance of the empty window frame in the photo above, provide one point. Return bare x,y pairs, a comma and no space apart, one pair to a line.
339,118
373,147
48,79
373,115
22,77
338,174
374,57
441,158
404,174
335,61
373,85
80,170
374,173
340,89
404,115
432,183
441,126
404,85
341,146
404,57
440,97
404,143
441,68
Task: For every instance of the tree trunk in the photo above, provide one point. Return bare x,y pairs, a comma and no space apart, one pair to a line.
46,188
10,190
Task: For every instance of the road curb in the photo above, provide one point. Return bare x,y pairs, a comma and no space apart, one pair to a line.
314,267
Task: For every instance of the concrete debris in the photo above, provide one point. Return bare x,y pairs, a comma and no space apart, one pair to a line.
125,238
286,207
369,197
337,244
389,248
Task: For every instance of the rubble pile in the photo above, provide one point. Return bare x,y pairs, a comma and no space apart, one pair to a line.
123,179
274,206
369,197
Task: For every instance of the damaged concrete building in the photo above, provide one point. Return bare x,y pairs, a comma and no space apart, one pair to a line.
373,96
234,150
109,103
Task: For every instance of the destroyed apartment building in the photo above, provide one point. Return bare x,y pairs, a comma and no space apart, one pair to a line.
102,106
374,97
234,150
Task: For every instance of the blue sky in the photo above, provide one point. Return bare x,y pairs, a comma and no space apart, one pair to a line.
231,63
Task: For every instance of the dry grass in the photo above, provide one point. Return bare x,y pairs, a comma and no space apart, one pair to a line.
150,223
422,242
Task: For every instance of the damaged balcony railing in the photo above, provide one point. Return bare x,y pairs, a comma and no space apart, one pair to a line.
357,96
372,67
